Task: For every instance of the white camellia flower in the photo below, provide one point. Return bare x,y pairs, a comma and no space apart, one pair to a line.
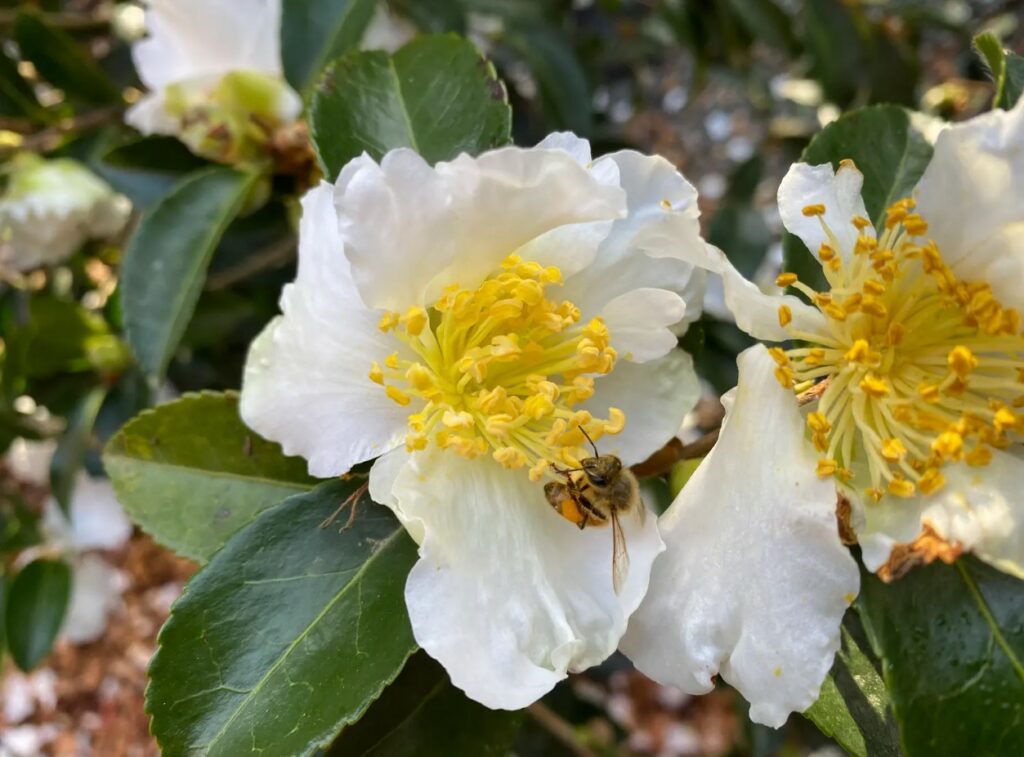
49,208
95,521
912,373
465,322
213,68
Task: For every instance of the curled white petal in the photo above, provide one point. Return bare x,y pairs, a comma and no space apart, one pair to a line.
979,510
306,382
839,191
972,196
508,595
755,581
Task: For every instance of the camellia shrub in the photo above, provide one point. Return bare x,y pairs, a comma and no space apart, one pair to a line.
399,352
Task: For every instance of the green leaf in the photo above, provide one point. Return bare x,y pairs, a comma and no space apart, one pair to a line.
435,95
36,605
191,474
3,614
767,21
287,635
16,95
59,60
147,169
888,146
421,713
165,264
19,524
1007,69
315,32
71,450
952,643
1014,80
560,77
854,707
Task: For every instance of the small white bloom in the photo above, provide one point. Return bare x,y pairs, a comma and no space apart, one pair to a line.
49,208
915,361
95,521
462,323
214,72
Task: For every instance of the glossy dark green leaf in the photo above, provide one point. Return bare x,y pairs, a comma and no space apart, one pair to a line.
287,635
71,450
421,713
952,643
560,77
191,474
165,264
315,32
765,20
19,524
435,95
147,169
854,707
36,604
1014,87
834,48
887,145
16,95
59,60
1007,69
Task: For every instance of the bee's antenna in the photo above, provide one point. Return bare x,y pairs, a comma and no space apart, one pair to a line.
584,432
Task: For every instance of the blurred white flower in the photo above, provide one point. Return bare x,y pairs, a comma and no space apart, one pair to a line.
914,356
387,31
95,521
213,68
49,208
463,322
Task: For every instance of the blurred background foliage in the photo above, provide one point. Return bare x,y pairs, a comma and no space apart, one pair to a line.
729,91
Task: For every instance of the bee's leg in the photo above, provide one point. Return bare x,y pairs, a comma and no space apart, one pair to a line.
583,523
351,500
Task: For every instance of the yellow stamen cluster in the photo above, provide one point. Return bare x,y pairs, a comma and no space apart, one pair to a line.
500,370
923,369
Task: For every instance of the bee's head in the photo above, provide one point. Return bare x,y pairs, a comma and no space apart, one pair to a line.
601,470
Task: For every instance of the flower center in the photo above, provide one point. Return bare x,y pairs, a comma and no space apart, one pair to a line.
919,368
499,369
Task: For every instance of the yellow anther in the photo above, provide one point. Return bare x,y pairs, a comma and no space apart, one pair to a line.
778,355
398,396
819,423
825,252
860,222
458,419
376,374
414,442
948,445
859,352
510,262
875,494
785,315
871,306
929,392
785,376
962,361
915,225
814,210
391,361
895,334
414,320
665,204
552,275
538,406
978,457
539,469
874,386
826,467
510,457
785,279
815,356
616,421
420,378
875,287
893,450
1004,419
901,487
931,481
388,321
835,312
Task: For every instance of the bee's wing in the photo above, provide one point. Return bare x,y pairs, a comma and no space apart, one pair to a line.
620,555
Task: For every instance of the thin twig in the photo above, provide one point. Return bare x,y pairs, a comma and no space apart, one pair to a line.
661,462
562,731
272,256
49,138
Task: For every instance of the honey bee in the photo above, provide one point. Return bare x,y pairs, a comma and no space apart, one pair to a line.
605,492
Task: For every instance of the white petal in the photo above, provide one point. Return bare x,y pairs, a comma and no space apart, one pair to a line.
189,39
839,191
306,384
97,519
979,509
647,248
578,147
655,397
508,595
972,196
639,322
95,593
755,581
